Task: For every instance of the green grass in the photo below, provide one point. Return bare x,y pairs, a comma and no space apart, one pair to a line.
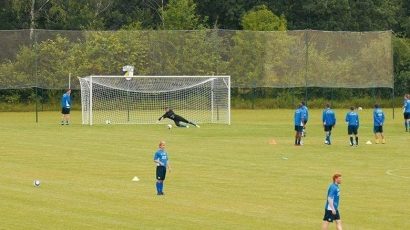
223,177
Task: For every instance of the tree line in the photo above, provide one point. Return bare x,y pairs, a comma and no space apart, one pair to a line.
345,15
168,15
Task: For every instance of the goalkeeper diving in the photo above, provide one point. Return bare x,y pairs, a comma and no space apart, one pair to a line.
179,121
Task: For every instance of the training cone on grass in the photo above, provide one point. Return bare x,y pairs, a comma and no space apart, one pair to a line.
135,179
368,143
272,142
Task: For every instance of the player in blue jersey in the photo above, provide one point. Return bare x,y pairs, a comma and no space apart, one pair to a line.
178,120
332,204
298,121
162,162
406,112
329,122
378,121
305,111
352,120
65,107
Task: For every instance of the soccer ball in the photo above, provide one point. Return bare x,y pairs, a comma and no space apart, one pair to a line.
169,126
36,183
359,108
107,122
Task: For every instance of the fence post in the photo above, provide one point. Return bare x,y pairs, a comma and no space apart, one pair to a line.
393,100
306,65
34,45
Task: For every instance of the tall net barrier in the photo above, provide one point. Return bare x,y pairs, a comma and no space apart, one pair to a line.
142,99
45,59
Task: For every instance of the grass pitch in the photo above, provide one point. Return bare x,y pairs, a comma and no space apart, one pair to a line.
223,177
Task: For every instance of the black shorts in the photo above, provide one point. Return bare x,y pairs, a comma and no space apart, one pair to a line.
329,217
328,128
352,129
406,115
65,110
161,172
378,129
298,128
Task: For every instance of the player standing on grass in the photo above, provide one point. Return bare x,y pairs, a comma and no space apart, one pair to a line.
352,120
305,111
162,162
378,121
406,112
298,120
179,121
329,121
65,107
332,204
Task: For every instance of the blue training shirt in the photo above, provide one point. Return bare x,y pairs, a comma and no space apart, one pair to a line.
66,101
305,111
407,106
162,156
298,118
378,117
333,193
328,117
352,118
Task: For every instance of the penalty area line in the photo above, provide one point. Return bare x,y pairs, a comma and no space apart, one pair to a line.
390,172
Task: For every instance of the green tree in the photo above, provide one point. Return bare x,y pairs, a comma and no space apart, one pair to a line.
14,14
123,13
227,14
402,65
262,19
255,54
181,15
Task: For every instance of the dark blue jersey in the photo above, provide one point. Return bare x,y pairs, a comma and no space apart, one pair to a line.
352,118
333,193
328,117
66,101
305,112
161,156
378,117
406,106
298,117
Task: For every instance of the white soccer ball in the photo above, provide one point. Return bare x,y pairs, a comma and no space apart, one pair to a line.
107,122
36,183
169,126
359,108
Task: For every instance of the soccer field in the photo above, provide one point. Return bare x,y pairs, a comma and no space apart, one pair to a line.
223,177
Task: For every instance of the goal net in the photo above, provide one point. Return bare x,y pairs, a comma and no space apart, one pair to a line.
142,99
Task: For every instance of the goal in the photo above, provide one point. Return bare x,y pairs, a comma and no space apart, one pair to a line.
142,99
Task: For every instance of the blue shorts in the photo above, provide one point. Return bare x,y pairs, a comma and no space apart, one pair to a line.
352,129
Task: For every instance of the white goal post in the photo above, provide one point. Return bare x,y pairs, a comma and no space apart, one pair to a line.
142,99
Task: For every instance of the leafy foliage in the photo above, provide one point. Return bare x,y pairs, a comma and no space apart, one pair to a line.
262,19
